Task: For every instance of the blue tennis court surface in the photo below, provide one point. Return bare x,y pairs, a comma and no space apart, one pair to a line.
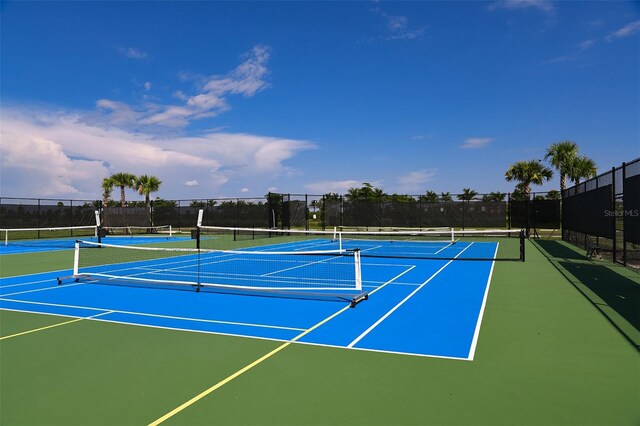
423,307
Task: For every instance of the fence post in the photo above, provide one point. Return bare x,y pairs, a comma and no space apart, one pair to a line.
613,209
624,217
508,210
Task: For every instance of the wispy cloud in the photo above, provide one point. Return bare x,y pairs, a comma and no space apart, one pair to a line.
587,44
415,181
626,31
421,137
133,53
398,27
208,100
475,143
545,6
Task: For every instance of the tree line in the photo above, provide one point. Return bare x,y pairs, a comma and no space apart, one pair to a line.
563,156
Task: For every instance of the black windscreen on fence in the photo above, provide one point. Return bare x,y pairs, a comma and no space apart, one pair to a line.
631,206
294,214
361,214
542,214
230,213
50,215
126,216
590,212
485,214
416,214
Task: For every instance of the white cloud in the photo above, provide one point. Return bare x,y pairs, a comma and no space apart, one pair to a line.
415,181
626,31
209,99
64,154
133,53
338,186
542,5
476,142
147,85
398,27
587,44
244,190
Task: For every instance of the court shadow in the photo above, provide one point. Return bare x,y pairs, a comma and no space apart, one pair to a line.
618,292
559,249
614,290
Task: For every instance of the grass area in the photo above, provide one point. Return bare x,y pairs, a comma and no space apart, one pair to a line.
546,356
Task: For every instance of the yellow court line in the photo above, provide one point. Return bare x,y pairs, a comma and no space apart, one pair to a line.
243,370
52,326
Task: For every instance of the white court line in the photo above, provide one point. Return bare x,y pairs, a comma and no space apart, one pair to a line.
476,333
27,283
374,325
39,289
447,246
304,265
143,314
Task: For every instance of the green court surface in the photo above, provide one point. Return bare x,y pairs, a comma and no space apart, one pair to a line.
556,347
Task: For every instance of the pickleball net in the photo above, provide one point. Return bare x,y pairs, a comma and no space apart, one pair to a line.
324,274
61,236
444,244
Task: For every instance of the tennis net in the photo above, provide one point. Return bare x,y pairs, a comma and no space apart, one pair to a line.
47,237
327,274
445,244
162,230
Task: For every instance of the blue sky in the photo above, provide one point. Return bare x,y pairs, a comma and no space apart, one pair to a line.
226,99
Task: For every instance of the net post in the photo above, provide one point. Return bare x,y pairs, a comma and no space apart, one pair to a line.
340,241
198,225
6,237
522,245
76,258
170,231
356,257
453,235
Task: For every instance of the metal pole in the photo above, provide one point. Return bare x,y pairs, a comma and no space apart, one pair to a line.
613,209
624,218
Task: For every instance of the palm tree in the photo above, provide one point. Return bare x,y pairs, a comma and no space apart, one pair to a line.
494,196
429,197
553,195
146,185
560,155
123,180
445,196
467,194
107,189
582,167
528,173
